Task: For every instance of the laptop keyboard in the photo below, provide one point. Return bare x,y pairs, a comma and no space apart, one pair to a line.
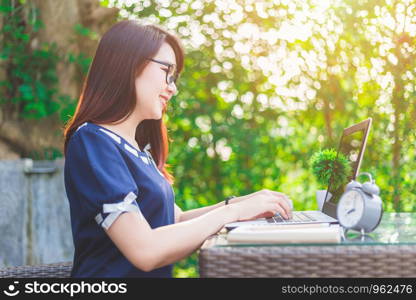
297,217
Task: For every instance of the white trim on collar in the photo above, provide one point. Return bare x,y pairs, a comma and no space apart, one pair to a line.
112,135
145,159
80,126
131,150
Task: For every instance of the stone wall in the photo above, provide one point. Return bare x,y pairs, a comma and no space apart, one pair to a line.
35,223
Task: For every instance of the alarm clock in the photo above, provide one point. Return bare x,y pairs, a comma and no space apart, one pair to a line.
360,207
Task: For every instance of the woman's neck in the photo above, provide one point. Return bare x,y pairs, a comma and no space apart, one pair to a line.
126,129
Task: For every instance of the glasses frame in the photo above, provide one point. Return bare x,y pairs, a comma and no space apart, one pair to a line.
174,77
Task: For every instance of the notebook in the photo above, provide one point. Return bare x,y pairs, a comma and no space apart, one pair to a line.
302,233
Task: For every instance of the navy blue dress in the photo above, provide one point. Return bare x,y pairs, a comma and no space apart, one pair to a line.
106,176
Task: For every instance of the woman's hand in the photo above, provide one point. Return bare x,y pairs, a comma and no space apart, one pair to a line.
262,204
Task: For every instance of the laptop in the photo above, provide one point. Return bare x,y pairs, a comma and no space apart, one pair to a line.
352,145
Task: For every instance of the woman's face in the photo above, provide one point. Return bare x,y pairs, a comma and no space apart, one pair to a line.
152,90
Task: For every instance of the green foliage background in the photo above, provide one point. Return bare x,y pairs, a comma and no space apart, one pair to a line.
268,83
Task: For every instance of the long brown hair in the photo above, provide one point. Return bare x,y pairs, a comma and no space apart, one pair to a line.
108,94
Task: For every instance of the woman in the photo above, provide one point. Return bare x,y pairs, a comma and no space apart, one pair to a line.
124,219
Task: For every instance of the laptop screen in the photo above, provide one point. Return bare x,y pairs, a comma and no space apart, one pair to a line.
352,145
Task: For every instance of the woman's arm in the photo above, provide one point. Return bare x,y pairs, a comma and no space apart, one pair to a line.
148,248
181,215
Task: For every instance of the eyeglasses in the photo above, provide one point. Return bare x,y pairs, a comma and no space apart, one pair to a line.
171,74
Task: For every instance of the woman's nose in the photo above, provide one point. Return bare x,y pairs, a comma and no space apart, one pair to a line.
172,88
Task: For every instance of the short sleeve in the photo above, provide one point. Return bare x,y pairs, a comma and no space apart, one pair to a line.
99,176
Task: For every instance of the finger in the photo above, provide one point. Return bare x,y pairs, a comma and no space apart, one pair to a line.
285,207
271,207
264,215
283,213
286,198
279,209
267,214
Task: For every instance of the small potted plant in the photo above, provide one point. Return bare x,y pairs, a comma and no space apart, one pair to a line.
326,163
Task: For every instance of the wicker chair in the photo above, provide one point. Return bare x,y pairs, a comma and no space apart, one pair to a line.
57,270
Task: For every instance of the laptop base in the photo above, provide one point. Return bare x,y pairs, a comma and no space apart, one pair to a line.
299,217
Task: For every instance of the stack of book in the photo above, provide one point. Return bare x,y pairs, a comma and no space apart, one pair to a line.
286,234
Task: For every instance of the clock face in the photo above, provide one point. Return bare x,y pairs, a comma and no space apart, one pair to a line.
350,209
